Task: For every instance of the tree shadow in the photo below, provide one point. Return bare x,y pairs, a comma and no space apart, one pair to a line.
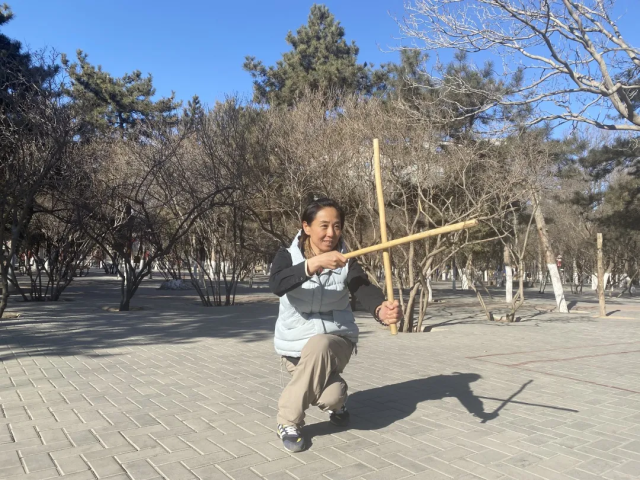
88,333
480,319
83,327
380,407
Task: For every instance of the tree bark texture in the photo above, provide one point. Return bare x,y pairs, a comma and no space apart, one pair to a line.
601,278
550,258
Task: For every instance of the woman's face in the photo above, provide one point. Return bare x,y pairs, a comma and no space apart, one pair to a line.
325,230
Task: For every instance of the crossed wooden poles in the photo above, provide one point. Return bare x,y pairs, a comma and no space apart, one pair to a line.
386,245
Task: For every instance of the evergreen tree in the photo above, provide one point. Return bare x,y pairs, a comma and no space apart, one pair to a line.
623,153
113,102
617,166
469,105
441,97
19,73
321,59
406,81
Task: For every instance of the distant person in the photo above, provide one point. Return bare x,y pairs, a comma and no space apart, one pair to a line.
316,331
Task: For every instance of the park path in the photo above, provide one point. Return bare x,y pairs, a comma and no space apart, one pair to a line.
179,391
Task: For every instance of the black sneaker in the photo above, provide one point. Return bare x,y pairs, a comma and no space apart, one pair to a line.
292,438
340,417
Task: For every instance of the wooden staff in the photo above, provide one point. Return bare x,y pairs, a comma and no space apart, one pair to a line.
412,238
386,259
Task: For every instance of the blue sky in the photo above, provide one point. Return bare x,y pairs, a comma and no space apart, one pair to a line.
193,46
198,47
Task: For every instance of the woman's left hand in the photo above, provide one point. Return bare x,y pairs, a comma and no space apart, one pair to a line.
390,312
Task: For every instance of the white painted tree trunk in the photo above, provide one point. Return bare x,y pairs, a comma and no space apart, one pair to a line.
465,280
594,281
509,274
561,303
486,277
444,275
558,291
453,276
430,298
576,280
606,279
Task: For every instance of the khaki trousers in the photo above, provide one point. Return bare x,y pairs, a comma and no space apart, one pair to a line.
315,378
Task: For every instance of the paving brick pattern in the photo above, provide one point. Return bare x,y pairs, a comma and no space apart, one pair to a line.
179,391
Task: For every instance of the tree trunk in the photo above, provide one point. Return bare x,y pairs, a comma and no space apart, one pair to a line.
453,274
550,258
408,313
509,274
521,281
424,304
465,280
542,277
467,276
608,277
4,300
201,289
125,298
601,278
127,288
481,300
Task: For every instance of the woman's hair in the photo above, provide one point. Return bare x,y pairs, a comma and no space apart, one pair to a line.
312,209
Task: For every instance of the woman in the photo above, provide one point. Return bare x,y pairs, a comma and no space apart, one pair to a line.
316,331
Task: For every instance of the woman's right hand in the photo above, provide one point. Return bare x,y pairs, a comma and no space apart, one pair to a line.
330,260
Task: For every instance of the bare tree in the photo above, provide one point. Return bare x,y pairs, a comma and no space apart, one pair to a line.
428,183
56,250
36,135
221,252
514,231
571,61
148,192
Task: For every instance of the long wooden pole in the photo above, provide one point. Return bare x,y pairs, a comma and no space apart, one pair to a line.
601,285
386,259
412,238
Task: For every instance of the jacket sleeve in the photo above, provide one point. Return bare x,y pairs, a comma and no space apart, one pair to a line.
284,275
359,285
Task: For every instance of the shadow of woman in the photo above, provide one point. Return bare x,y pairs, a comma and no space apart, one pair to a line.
382,406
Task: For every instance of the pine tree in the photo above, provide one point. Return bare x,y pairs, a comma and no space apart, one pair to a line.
19,73
321,59
435,93
618,166
107,102
406,81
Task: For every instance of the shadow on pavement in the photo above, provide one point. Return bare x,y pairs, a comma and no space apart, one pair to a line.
380,407
86,331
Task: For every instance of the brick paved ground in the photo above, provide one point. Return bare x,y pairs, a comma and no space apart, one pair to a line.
179,391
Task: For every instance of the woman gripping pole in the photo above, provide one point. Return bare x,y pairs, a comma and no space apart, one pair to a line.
316,332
